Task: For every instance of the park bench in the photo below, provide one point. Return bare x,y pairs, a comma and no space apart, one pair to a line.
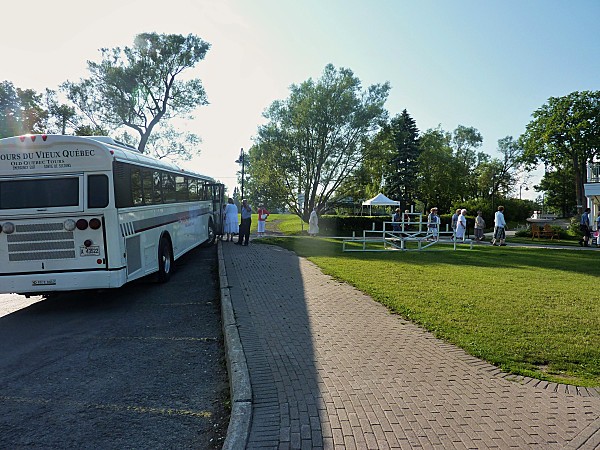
544,232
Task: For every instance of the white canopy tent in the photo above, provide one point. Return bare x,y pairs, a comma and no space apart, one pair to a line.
380,200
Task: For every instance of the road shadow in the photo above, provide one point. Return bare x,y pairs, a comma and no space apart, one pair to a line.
270,305
141,366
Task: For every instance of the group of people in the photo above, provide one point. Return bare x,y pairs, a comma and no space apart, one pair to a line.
585,226
231,226
459,225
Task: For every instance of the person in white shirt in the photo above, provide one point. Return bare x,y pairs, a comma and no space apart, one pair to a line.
499,227
313,223
453,222
461,225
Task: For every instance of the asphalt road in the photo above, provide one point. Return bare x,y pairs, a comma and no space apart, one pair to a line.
138,367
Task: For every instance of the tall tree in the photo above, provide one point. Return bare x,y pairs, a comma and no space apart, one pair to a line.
166,142
565,131
314,138
438,168
509,167
264,185
139,86
559,189
403,137
465,141
21,111
369,178
62,117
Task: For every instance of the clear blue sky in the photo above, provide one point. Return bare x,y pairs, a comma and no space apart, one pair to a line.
485,64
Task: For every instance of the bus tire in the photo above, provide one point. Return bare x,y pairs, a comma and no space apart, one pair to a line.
212,235
165,260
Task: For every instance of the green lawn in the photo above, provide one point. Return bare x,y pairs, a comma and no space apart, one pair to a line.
288,224
530,311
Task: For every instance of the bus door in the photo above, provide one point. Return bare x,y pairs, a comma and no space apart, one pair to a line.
217,195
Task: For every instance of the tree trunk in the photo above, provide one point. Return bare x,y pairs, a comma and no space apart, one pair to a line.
580,171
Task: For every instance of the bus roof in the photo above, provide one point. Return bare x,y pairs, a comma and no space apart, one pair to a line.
40,153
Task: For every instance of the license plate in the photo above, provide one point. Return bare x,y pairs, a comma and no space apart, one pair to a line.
43,282
93,250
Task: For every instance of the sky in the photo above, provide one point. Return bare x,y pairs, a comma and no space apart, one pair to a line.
478,63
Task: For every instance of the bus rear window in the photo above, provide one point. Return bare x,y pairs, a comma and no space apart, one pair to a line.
97,191
40,193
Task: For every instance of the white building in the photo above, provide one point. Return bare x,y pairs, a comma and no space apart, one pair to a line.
592,188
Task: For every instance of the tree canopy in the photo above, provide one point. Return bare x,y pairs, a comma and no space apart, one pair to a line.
141,85
21,111
313,140
565,131
403,138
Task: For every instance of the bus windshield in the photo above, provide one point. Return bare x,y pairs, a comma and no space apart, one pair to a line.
39,193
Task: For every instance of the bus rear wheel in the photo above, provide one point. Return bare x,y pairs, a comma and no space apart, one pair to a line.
211,235
165,260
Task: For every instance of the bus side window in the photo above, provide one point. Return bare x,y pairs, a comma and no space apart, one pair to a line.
182,189
203,191
97,191
122,177
136,186
157,188
147,186
168,184
193,185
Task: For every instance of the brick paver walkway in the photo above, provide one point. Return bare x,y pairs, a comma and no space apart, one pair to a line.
331,368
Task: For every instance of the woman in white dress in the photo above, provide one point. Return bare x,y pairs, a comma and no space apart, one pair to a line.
313,223
231,220
461,225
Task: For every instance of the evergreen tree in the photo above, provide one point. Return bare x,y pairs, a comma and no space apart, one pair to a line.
403,165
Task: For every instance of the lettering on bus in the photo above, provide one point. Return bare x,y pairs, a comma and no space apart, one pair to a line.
45,159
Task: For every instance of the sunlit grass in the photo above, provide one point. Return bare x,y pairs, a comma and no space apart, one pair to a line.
288,224
529,311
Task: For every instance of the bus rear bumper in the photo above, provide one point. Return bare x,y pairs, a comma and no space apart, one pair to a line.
51,282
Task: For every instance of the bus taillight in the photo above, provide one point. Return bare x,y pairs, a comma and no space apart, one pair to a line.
95,223
82,224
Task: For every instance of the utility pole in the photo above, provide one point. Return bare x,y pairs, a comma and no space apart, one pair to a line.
242,160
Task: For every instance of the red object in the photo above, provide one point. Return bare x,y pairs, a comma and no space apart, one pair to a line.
262,212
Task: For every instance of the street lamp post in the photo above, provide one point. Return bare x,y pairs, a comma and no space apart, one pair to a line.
521,187
493,189
242,160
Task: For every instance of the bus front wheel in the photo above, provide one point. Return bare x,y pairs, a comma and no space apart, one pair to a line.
165,260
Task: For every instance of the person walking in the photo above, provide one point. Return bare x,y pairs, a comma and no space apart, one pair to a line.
585,227
313,223
262,219
433,223
246,214
461,225
454,222
499,227
396,218
479,226
231,220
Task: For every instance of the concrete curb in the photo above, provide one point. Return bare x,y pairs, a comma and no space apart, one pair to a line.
239,377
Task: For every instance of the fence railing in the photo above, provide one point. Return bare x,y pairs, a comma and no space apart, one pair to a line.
593,173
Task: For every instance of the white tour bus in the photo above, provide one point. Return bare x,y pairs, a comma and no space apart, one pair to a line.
90,213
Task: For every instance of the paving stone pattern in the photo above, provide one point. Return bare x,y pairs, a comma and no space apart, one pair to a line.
331,368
